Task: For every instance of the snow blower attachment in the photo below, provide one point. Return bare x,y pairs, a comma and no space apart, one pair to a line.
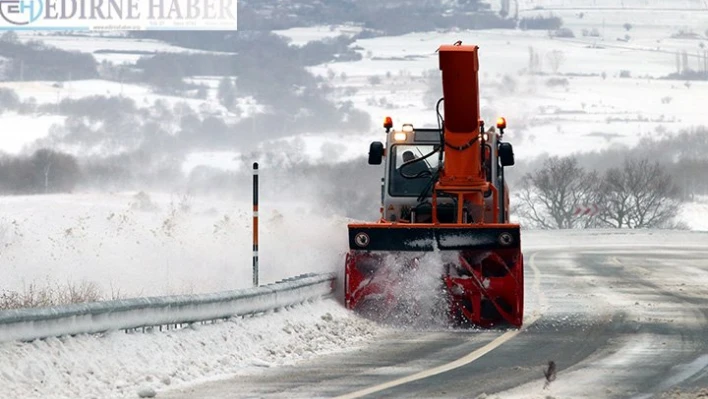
443,193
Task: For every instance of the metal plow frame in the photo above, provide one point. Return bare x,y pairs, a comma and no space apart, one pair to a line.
484,286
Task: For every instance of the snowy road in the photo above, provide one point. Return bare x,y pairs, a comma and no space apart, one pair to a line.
620,318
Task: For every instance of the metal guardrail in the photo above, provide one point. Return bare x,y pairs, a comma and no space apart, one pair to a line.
97,317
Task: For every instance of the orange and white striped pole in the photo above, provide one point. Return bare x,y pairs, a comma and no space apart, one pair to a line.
255,224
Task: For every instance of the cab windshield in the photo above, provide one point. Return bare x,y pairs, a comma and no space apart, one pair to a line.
416,175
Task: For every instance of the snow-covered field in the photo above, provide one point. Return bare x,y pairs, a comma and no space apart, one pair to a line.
21,130
138,245
695,214
114,49
48,92
300,36
133,244
594,109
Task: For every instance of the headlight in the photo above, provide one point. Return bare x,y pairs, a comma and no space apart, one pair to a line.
399,136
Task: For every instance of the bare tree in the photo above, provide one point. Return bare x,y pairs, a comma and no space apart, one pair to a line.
534,61
549,196
504,12
53,171
640,195
654,194
615,199
555,59
526,206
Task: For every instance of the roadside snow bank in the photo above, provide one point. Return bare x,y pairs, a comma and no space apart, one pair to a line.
695,214
121,365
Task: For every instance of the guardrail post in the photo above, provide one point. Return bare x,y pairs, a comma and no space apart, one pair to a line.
255,224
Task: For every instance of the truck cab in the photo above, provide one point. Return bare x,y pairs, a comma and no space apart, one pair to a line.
412,160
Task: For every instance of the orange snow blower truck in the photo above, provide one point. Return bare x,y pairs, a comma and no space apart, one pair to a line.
443,192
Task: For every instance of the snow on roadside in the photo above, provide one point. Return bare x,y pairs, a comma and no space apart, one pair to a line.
605,374
609,238
595,379
161,243
695,214
120,365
